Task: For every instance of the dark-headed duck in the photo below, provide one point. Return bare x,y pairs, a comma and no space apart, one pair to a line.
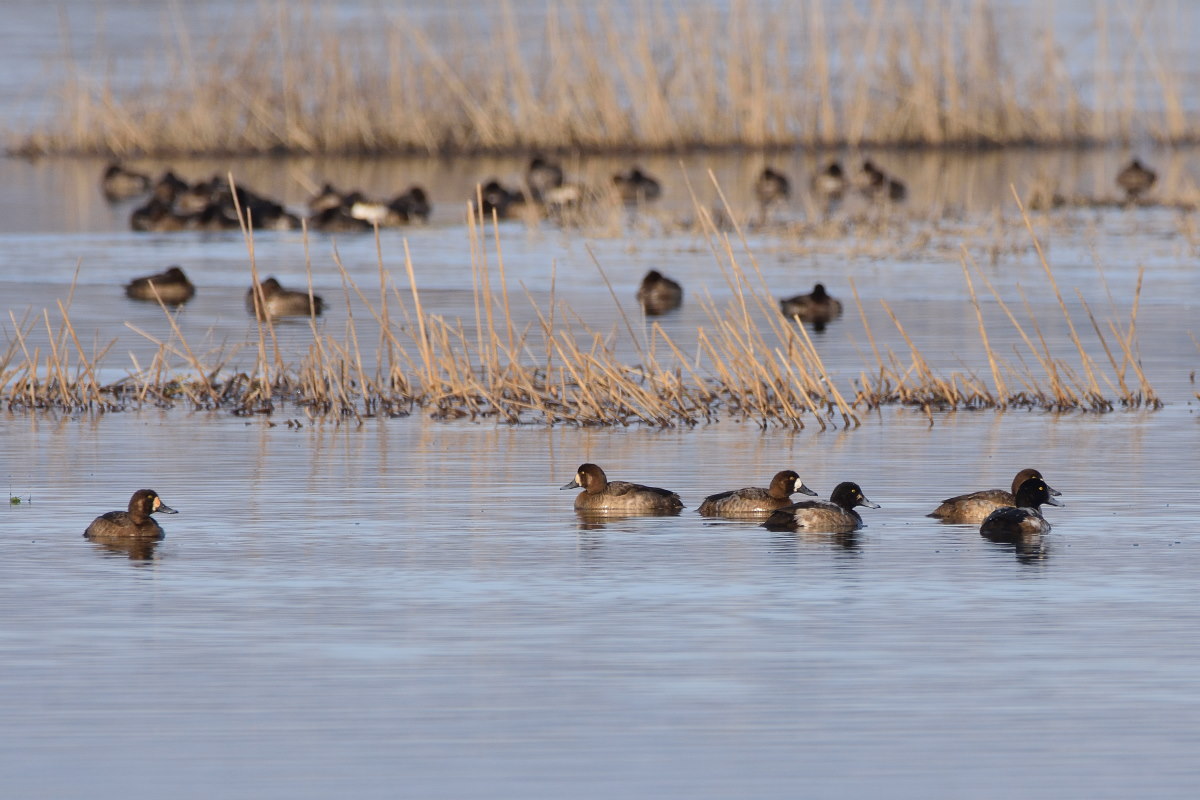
817,308
1026,517
835,516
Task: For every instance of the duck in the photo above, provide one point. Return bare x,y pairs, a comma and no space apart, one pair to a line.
1025,518
874,183
830,183
542,176
771,187
837,515
172,287
635,186
1136,179
280,302
156,216
412,204
135,523
817,308
602,496
973,508
870,179
120,183
327,197
498,198
658,294
754,501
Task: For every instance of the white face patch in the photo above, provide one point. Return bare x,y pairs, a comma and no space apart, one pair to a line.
157,503
579,478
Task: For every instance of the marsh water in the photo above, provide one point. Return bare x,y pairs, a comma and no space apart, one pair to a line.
410,607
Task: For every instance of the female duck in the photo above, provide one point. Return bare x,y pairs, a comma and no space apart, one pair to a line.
134,523
602,496
658,294
172,286
279,302
835,516
973,508
1024,519
754,501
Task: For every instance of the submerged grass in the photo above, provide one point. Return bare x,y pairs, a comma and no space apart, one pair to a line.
749,363
645,77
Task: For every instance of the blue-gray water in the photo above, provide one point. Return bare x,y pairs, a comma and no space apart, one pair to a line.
411,608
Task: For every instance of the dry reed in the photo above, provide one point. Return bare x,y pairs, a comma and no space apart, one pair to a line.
662,78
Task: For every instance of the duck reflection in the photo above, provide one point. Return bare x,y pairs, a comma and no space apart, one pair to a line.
623,522
789,544
1029,548
133,549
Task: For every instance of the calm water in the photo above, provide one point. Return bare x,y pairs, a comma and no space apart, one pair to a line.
411,608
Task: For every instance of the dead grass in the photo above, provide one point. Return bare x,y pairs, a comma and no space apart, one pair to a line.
594,79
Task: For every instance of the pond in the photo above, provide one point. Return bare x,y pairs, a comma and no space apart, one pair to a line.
407,606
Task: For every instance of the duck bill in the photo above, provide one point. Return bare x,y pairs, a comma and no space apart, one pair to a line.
865,503
163,508
574,484
802,489
1052,502
1053,492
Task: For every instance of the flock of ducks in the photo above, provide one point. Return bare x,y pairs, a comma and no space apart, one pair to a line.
657,295
174,204
999,514
267,299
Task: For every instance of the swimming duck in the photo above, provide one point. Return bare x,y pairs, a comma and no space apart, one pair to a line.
155,215
830,183
1026,517
602,496
280,302
120,183
543,175
1136,179
974,507
771,187
173,287
134,523
496,197
411,204
659,294
754,501
835,516
635,186
326,197
817,308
